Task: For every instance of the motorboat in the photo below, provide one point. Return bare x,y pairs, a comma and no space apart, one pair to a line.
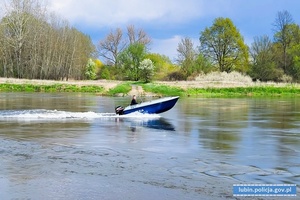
150,107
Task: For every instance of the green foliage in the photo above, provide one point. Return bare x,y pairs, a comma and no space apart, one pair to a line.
105,73
163,66
49,88
260,91
90,70
176,76
36,47
296,68
162,89
146,69
131,59
202,64
264,67
186,56
123,88
294,54
224,45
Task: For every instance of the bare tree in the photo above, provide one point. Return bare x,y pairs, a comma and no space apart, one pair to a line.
187,55
260,48
137,36
34,44
281,28
264,55
112,45
186,50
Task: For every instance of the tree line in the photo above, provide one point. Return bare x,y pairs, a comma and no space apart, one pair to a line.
222,48
36,44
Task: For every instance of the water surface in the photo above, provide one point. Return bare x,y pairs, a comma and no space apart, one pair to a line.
72,146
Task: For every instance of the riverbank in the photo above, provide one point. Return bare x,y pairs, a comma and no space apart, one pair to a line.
159,88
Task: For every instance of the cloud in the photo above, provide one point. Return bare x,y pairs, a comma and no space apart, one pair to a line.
115,12
169,20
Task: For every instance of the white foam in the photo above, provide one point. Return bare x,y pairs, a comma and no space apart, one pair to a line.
140,115
42,114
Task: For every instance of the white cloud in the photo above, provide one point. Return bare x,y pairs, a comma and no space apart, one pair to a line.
112,12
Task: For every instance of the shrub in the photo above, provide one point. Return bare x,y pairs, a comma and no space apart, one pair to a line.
90,70
146,70
176,76
224,77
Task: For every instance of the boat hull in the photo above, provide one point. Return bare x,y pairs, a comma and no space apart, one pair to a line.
152,107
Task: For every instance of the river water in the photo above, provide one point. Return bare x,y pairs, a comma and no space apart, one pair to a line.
72,146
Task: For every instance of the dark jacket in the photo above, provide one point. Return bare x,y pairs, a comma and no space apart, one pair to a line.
133,102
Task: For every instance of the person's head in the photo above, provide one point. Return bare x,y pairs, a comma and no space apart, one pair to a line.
134,97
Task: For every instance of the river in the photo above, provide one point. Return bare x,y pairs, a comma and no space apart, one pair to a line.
72,146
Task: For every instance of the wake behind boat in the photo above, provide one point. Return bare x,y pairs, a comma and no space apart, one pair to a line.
150,107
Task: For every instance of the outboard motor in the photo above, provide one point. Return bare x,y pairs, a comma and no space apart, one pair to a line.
119,110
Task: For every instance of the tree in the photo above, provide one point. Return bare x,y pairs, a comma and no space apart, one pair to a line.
17,31
90,70
224,46
131,59
296,62
137,36
282,36
146,69
162,66
264,65
35,44
202,64
112,46
187,56
115,43
293,52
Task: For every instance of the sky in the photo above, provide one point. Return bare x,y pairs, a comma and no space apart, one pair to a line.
168,21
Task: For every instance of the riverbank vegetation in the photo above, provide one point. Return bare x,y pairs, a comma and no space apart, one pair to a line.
36,44
221,88
254,91
123,88
8,87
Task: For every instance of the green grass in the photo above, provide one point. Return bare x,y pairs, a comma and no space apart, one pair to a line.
159,89
257,91
163,89
122,88
6,87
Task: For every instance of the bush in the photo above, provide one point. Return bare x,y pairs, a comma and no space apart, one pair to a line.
224,77
176,76
286,79
105,74
90,70
146,70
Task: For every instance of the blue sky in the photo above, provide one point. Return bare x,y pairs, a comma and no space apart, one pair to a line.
167,21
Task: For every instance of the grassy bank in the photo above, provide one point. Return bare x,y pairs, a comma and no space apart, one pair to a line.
163,90
8,87
253,91
159,89
122,88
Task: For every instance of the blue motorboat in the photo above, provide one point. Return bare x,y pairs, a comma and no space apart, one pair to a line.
151,107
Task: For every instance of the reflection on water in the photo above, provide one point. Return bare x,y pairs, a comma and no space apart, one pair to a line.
160,124
260,135
64,142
